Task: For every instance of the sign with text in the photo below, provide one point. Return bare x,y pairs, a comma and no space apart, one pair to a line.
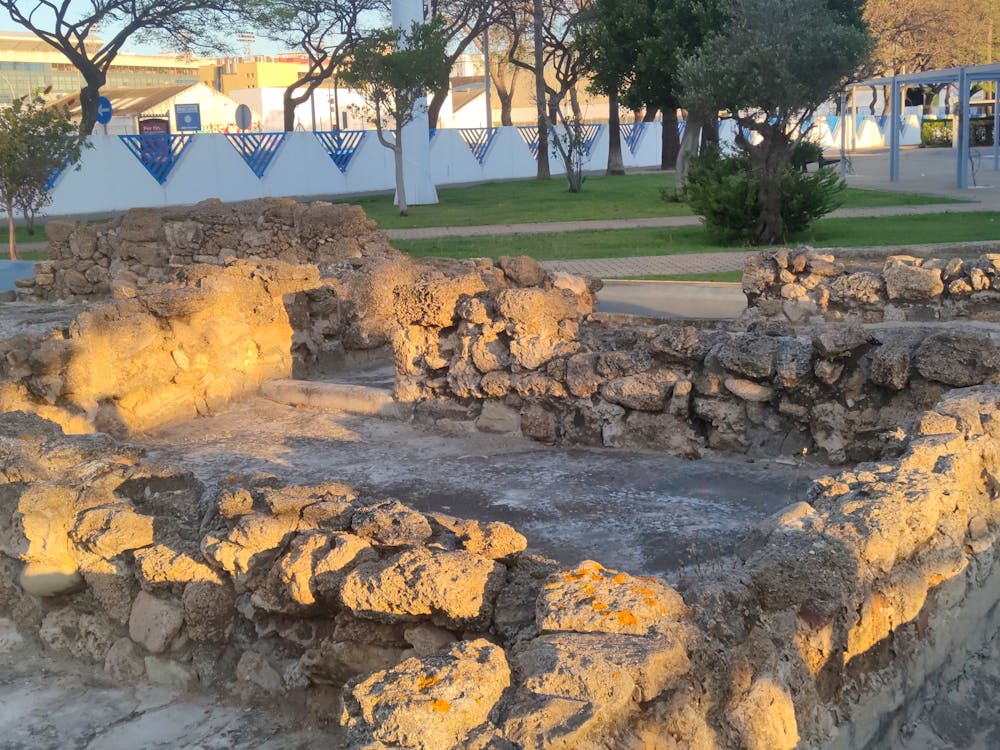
188,117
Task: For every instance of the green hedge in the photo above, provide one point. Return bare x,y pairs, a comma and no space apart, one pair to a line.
938,132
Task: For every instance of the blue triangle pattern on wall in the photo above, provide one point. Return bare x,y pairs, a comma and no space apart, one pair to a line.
341,145
478,140
158,152
590,134
257,149
831,122
529,134
632,134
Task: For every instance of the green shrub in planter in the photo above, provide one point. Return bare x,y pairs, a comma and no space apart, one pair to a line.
722,189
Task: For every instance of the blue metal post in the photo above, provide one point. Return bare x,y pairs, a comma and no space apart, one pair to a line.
996,126
843,133
893,124
963,129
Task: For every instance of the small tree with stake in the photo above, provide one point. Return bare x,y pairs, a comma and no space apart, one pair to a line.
36,142
393,70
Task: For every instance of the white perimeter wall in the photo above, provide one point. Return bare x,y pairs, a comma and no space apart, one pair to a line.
111,179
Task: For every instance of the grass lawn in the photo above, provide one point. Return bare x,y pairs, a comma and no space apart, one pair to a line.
21,235
887,230
523,201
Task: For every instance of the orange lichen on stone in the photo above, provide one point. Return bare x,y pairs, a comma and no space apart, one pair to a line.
620,578
598,605
440,706
425,682
625,617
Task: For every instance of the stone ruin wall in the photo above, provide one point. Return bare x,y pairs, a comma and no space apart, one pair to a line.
88,261
426,631
803,285
169,353
537,361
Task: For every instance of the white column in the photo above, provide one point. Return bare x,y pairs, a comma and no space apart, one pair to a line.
420,188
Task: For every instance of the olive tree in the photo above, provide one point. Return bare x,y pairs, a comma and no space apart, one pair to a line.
393,69
36,142
773,64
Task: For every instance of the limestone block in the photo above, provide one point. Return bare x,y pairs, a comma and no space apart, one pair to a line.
124,663
154,623
748,390
493,539
431,703
454,587
496,417
391,523
593,599
891,366
523,271
765,717
208,611
110,531
957,358
839,340
905,281
646,392
749,355
862,288
255,670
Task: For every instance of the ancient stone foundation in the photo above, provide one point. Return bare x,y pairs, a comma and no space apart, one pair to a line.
426,631
416,630
89,261
802,285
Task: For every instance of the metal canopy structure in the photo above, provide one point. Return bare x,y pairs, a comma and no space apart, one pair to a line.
963,78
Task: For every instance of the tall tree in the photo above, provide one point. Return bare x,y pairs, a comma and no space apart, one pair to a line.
393,69
325,30
772,66
36,142
70,26
506,37
638,47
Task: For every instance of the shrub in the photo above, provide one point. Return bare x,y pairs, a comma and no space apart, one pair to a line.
723,189
939,132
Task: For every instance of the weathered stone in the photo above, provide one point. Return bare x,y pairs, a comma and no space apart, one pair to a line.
253,534
163,565
591,599
427,639
154,623
522,270
646,392
748,390
891,366
581,375
675,343
208,611
765,717
431,703
958,358
168,672
255,670
749,355
391,523
904,281
539,423
609,675
493,540
124,663
837,341
455,588
496,417
828,370
792,362
432,303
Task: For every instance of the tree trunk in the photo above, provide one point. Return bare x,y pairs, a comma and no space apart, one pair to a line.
689,148
616,165
506,107
438,97
89,95
769,159
288,108
650,114
671,142
397,152
11,239
544,173
574,102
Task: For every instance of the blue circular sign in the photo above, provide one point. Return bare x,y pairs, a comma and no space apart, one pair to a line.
103,110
